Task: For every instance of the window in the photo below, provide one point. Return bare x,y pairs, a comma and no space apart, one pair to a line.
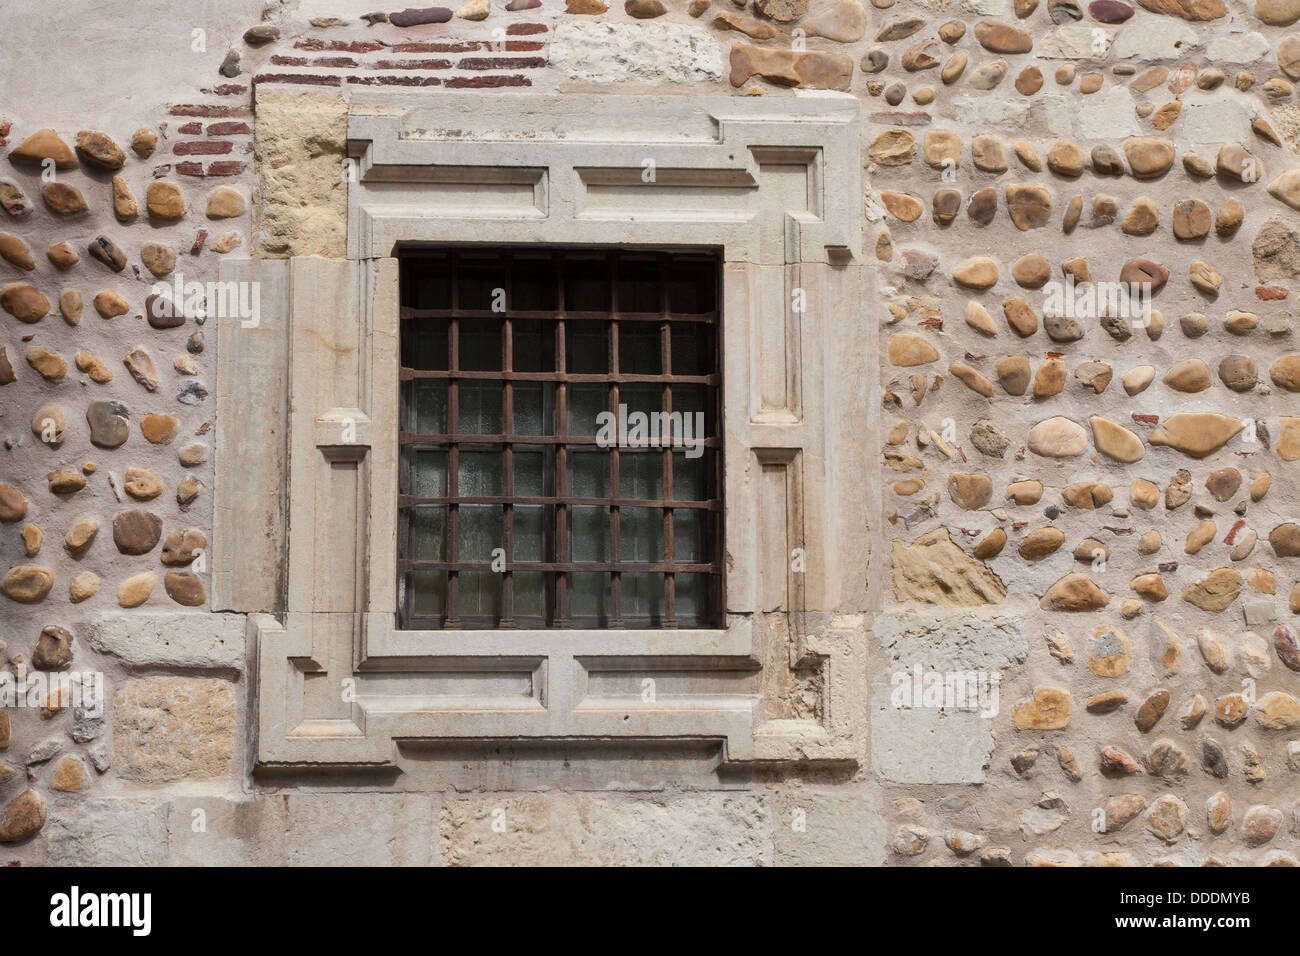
560,439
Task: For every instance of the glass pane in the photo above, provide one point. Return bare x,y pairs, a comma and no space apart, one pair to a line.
691,348
480,408
534,408
586,403
589,602
586,285
642,597
428,593
534,345
688,536
427,282
692,285
641,535
532,470
428,471
425,343
479,280
589,532
690,478
638,285
426,406
641,474
480,473
533,285
428,533
640,349
530,528
480,595
480,345
588,473
691,594
530,595
480,532
587,345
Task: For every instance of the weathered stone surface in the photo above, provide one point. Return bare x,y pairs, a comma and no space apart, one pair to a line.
934,570
1216,591
22,818
1047,708
1074,592
813,70
173,728
718,829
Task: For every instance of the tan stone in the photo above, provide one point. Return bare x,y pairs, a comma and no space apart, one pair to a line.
907,349
1115,441
1196,434
977,272
1074,592
1047,708
136,589
934,570
173,728
164,201
1216,591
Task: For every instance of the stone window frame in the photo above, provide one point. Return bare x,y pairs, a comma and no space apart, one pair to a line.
777,187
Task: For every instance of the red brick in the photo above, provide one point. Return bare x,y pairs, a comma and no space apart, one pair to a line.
410,65
486,82
189,169
466,47
228,129
396,80
225,167
190,129
340,46
500,62
279,60
208,109
225,89
525,29
205,147
306,79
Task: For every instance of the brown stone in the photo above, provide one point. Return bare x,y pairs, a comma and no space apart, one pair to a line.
136,532
813,70
998,37
22,818
24,303
164,201
42,145
1074,592
1216,591
27,583
1187,9
1047,708
16,252
185,587
63,199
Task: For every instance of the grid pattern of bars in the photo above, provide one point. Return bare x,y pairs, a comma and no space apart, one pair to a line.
516,510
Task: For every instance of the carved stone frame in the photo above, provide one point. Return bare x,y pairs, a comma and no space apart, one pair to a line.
777,188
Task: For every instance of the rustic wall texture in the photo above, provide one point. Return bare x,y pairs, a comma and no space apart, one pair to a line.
1089,510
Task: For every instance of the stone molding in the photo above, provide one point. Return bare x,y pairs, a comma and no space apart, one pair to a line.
777,188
